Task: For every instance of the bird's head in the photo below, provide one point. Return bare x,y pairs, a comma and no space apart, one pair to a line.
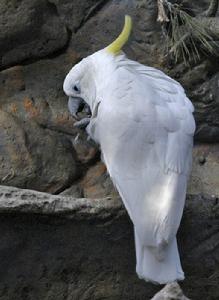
85,79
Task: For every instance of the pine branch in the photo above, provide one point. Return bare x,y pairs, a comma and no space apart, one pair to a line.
212,9
211,23
190,36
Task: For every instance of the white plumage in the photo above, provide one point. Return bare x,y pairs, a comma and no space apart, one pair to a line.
143,122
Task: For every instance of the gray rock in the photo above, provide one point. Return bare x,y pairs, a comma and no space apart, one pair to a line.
32,157
28,201
55,247
75,191
32,98
204,178
206,100
171,291
38,148
29,30
76,13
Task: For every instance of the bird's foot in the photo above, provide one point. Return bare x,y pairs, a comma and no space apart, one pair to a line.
82,123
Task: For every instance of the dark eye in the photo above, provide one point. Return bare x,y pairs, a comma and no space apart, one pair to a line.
76,88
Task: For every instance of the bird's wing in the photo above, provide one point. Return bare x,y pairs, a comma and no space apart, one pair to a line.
145,130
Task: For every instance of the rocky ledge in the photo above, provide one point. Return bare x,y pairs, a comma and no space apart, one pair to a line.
58,247
14,200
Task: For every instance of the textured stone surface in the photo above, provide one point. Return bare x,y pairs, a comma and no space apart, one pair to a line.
171,291
31,96
39,149
55,247
76,13
97,183
25,160
204,178
29,30
28,201
206,100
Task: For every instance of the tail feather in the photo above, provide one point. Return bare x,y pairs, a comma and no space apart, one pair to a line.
152,269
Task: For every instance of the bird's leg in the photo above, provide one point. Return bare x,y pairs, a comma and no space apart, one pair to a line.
87,109
82,123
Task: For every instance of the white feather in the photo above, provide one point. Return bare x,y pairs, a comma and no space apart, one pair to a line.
145,128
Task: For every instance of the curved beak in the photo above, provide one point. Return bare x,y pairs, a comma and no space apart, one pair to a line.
77,104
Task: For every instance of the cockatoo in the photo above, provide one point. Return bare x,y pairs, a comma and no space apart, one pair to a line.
144,124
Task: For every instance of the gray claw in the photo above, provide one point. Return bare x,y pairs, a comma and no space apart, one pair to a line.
87,109
82,123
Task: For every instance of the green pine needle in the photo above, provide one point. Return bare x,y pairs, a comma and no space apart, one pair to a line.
188,36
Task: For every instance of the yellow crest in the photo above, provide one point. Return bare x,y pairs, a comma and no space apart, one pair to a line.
117,45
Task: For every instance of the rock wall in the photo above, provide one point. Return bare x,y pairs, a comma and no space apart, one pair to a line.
40,149
62,248
39,42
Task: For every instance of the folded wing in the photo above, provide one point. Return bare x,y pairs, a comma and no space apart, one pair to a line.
145,129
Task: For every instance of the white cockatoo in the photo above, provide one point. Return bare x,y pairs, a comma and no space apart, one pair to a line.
143,122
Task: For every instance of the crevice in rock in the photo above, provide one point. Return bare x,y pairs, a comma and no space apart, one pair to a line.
52,8
92,11
84,167
57,130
